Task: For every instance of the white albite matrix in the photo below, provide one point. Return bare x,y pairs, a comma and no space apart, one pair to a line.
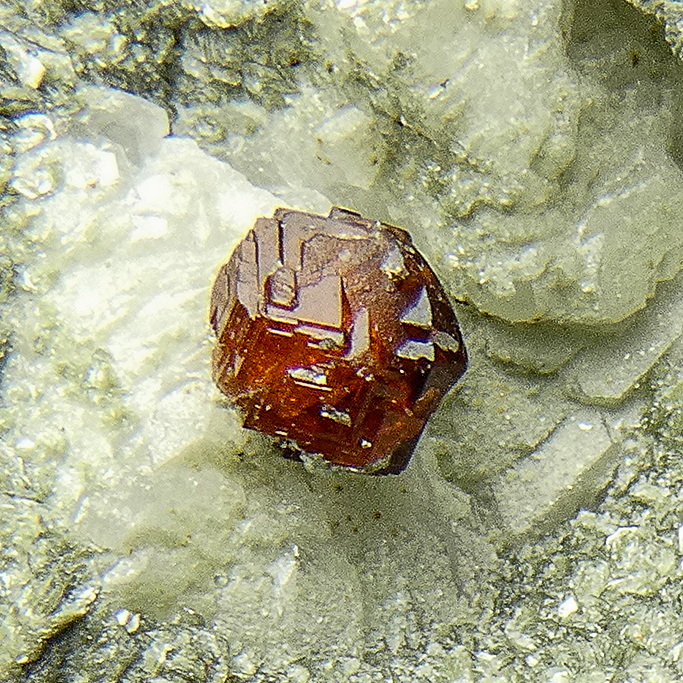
111,406
551,204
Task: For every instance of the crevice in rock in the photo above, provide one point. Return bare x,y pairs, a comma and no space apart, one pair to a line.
625,49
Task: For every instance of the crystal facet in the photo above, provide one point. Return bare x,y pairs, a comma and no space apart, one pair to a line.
335,335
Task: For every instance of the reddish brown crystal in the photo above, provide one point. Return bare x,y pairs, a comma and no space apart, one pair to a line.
334,334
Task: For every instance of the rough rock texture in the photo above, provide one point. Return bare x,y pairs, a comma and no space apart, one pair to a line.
670,13
534,169
533,150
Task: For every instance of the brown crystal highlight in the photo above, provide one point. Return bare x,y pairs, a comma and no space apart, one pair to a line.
336,336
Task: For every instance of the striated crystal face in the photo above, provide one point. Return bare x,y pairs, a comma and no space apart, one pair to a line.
335,335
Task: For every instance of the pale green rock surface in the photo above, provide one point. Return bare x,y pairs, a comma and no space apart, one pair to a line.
533,149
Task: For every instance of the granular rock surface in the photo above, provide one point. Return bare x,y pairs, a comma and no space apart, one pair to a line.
533,151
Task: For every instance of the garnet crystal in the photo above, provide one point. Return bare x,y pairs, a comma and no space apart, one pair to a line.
335,335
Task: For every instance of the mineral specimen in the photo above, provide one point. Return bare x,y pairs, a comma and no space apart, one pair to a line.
335,335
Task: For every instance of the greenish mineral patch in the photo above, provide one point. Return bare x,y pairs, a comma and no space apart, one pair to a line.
534,151
191,53
670,14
